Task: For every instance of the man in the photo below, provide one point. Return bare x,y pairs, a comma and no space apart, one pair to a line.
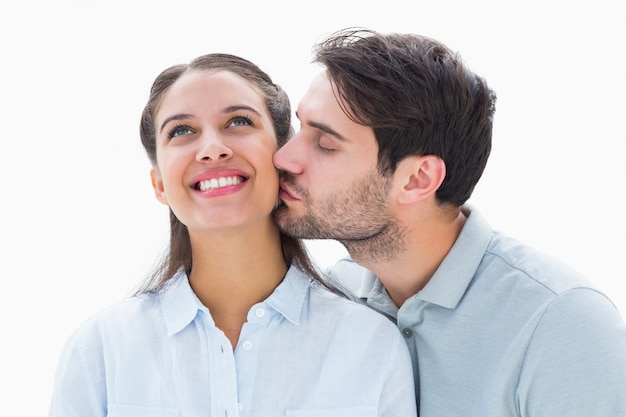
394,136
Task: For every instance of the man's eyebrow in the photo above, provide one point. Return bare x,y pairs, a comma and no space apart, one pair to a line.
327,129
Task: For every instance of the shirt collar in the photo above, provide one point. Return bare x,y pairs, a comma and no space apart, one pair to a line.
452,278
180,305
289,297
374,292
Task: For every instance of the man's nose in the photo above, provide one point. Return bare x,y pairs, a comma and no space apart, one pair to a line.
289,156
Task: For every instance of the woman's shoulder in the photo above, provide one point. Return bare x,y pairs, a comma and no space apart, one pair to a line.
123,317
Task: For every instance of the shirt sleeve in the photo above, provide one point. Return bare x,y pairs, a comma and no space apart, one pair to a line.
76,388
575,364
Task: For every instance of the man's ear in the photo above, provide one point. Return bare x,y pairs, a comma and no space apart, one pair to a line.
420,177
157,185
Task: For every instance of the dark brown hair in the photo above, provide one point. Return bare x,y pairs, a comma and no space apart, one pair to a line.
419,98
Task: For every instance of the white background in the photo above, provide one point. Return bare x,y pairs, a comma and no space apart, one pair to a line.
81,227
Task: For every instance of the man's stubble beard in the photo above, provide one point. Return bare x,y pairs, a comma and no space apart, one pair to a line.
359,217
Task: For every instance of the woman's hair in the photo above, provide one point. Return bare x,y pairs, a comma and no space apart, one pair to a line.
277,103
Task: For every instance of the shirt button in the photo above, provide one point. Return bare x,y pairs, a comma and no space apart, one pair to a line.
260,312
407,332
247,345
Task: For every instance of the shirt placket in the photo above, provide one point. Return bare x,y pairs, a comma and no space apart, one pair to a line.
222,373
247,355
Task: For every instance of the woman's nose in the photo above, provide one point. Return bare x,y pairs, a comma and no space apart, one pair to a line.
213,148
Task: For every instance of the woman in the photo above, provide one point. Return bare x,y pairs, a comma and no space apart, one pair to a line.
236,320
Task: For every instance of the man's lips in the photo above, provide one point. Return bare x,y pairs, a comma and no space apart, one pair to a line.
285,193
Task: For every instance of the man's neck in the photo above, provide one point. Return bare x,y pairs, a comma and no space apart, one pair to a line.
425,246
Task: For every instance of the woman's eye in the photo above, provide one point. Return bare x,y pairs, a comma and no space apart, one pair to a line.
179,131
241,121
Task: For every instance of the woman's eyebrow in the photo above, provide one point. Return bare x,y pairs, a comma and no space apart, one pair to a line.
181,116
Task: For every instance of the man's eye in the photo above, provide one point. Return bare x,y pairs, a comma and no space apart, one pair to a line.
179,130
324,145
323,149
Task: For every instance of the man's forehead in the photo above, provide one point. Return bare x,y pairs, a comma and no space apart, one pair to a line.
318,89
320,109
321,99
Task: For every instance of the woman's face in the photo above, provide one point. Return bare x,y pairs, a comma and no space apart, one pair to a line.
215,140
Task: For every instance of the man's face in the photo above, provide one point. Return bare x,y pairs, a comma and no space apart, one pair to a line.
331,187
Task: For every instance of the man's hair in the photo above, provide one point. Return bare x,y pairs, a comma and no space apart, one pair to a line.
420,99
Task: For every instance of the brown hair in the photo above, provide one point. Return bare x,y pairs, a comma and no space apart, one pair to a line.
278,105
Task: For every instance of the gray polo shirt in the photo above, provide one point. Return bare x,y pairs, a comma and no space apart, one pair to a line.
504,330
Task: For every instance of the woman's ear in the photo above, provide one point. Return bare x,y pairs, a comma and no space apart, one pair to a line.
157,185
420,177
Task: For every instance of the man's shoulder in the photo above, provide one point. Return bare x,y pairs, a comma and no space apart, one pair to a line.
532,264
349,274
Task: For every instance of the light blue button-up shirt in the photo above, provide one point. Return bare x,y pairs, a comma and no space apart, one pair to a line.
303,352
502,330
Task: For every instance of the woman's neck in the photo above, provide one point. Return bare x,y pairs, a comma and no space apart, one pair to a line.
234,270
